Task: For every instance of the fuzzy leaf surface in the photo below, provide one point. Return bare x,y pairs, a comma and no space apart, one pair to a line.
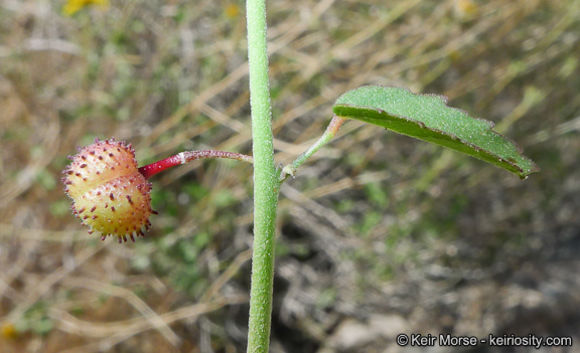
428,118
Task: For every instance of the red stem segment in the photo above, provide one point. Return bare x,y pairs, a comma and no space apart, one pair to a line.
181,158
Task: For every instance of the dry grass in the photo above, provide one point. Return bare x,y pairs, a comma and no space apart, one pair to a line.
363,224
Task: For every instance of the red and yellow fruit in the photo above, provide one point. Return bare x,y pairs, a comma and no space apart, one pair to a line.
108,192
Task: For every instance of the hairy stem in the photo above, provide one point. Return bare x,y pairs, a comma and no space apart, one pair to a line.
266,184
181,158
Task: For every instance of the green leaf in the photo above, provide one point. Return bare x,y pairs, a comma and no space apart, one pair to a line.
428,118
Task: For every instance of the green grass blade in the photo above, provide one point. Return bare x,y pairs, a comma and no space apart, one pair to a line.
428,118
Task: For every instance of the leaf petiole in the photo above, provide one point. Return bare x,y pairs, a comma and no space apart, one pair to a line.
329,133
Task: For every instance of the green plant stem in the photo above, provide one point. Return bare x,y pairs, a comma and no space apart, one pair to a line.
328,135
266,184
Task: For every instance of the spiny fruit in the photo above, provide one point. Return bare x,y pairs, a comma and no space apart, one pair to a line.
108,192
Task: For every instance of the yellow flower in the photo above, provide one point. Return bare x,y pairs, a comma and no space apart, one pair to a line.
74,6
232,11
465,9
8,331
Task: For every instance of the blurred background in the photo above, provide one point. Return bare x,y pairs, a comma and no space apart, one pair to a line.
378,234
